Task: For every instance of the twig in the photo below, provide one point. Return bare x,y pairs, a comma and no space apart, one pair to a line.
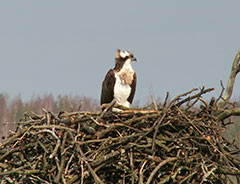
154,103
107,108
82,173
222,91
21,137
203,91
179,96
141,172
206,175
68,163
132,167
95,176
48,116
54,127
99,124
56,137
158,167
166,99
156,130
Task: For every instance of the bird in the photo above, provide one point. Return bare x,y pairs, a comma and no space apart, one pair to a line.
119,83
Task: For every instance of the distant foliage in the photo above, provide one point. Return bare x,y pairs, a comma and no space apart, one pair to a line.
13,110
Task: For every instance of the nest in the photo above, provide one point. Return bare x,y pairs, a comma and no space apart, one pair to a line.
176,143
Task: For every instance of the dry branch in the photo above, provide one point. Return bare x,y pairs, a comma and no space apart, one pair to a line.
227,113
231,81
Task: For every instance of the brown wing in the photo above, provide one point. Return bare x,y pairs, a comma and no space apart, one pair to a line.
133,89
108,87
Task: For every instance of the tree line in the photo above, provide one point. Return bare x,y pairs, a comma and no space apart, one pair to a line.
13,110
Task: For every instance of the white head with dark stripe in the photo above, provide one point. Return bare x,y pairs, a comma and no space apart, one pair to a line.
123,57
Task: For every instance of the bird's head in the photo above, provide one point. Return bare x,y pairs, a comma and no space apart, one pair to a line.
124,56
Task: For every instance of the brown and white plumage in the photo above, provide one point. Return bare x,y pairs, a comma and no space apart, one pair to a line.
120,82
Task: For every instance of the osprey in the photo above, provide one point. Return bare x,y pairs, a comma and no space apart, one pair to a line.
120,82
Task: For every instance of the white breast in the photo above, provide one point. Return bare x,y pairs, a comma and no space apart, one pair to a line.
121,92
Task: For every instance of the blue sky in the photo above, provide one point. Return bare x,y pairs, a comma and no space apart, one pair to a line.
66,47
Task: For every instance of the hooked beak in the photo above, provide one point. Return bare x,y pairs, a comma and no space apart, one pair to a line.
134,59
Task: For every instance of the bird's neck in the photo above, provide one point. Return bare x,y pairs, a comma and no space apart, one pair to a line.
121,65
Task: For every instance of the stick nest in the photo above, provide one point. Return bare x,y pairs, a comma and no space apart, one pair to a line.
176,143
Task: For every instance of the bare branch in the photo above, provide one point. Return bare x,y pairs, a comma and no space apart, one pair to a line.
231,80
